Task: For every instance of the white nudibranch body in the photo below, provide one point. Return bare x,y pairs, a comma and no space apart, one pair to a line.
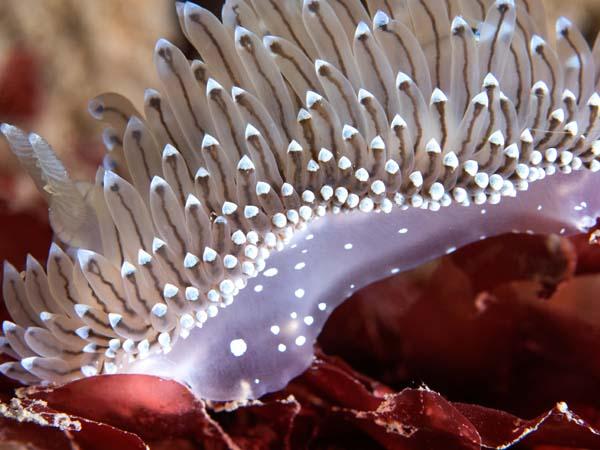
266,182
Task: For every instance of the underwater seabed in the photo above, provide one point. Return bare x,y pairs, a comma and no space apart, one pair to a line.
265,338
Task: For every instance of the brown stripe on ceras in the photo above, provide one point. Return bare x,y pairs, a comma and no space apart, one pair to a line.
405,87
539,93
103,109
407,54
215,96
246,42
254,140
212,150
527,39
319,109
315,8
296,162
165,54
22,301
505,107
246,186
592,121
202,184
347,10
131,278
41,296
565,35
230,73
115,188
367,103
65,280
160,190
540,51
386,95
325,72
520,86
503,8
308,133
171,160
276,48
137,137
571,108
441,110
94,268
460,32
554,124
477,110
155,103
155,281
490,91
354,142
388,6
436,34
406,155
275,6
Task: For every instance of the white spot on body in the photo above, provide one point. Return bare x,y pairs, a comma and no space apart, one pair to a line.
300,266
258,288
238,347
275,330
310,237
403,231
309,320
322,306
300,341
281,347
299,293
270,272
348,246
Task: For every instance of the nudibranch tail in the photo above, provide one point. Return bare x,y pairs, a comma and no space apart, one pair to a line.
314,149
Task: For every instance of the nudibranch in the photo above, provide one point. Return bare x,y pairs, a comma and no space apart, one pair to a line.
313,149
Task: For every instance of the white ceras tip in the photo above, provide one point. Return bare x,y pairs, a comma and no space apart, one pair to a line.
433,147
362,175
363,95
497,138
436,191
392,167
450,160
325,155
536,42
362,29
344,163
458,22
262,188
402,78
169,151
490,81
377,143
190,260
416,178
191,201
312,98
209,141
170,291
144,257
157,244
381,19
348,132
127,269
228,208
481,99
81,309
294,146
209,255
114,319
399,122
251,211
213,85
245,164
251,131
471,167
438,97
